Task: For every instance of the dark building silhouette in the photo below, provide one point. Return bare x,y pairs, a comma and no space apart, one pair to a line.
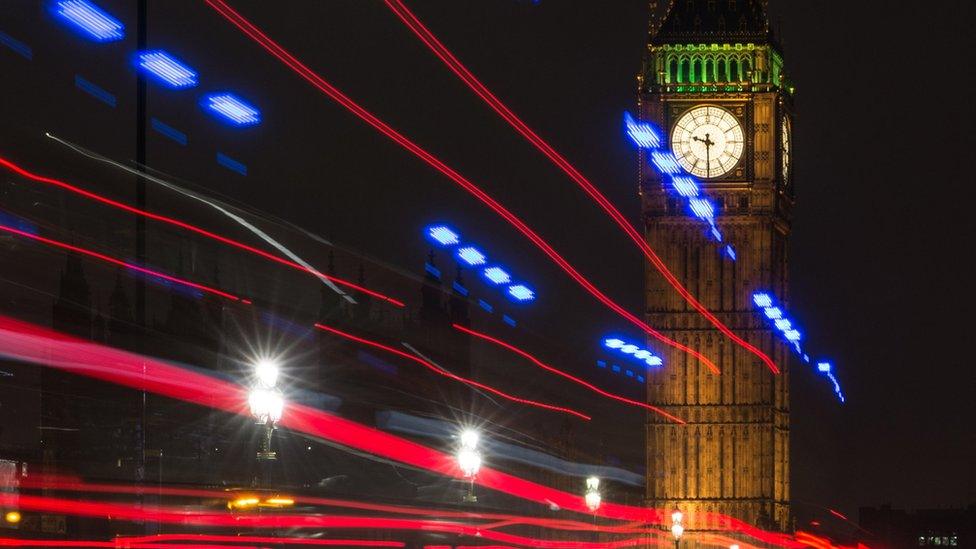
330,307
364,306
443,304
85,426
902,529
72,310
122,328
380,379
432,294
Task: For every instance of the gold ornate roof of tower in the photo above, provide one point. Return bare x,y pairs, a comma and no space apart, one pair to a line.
711,21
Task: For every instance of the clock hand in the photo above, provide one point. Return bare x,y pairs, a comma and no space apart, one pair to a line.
707,141
708,156
708,151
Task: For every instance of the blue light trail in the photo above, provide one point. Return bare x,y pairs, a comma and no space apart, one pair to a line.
826,369
443,235
169,131
473,256
167,69
231,164
17,46
703,209
686,186
459,288
624,347
232,109
497,275
92,21
647,138
95,91
765,303
521,292
642,133
665,162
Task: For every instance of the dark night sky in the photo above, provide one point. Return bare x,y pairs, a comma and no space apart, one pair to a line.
883,140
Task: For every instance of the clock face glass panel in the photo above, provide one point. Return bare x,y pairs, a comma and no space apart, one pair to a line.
708,141
785,131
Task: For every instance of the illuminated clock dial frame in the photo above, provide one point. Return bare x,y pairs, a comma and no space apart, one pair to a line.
708,141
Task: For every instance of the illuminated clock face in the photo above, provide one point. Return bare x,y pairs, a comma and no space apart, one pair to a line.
786,145
708,141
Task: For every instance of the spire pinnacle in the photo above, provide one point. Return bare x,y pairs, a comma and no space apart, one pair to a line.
710,21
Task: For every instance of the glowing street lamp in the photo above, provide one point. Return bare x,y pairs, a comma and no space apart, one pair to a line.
266,371
676,527
266,403
469,461
592,496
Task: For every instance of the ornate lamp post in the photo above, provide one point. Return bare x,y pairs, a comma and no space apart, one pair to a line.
469,461
267,404
592,496
676,527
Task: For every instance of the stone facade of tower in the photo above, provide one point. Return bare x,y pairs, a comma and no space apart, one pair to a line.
732,458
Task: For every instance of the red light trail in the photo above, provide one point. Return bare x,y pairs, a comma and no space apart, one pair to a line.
14,542
171,515
447,374
60,483
325,87
462,72
31,343
119,262
838,515
319,542
572,378
192,228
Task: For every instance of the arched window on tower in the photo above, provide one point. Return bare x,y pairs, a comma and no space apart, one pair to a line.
722,69
709,75
696,73
734,75
672,70
746,68
685,75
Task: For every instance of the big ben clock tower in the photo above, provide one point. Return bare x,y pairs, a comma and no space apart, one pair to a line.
713,81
